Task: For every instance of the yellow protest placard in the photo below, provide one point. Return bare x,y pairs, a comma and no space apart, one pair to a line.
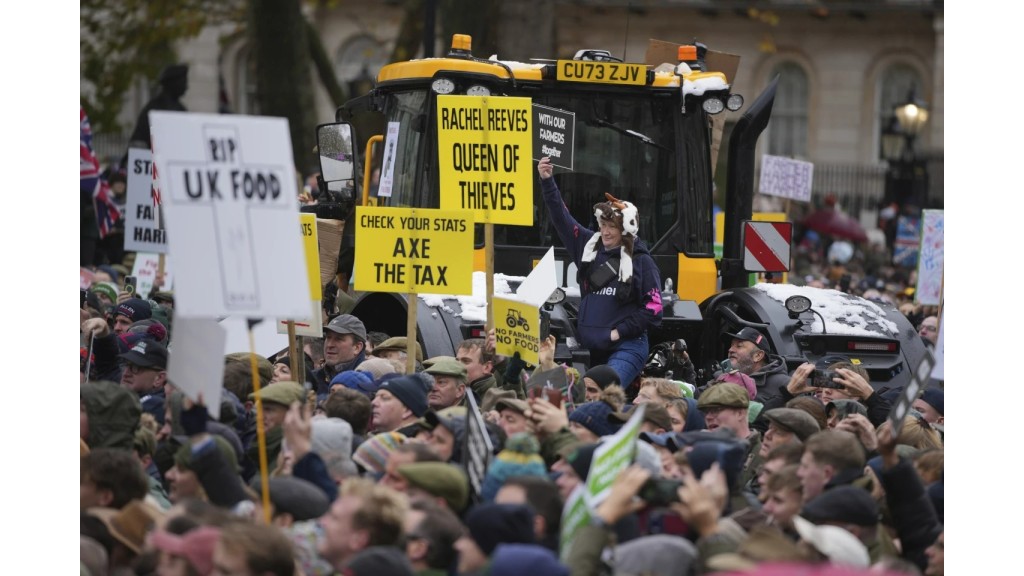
517,329
484,149
311,247
414,250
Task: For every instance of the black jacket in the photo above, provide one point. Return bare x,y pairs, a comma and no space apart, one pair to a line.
912,512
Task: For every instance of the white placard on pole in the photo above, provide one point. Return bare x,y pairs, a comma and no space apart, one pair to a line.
142,232
196,363
228,187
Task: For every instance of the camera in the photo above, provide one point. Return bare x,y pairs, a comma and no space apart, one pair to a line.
825,379
660,491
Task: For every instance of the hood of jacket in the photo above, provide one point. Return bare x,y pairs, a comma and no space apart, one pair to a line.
113,413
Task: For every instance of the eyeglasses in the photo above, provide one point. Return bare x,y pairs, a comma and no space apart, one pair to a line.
135,369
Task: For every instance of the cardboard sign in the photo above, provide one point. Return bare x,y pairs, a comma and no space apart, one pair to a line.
516,329
145,268
478,450
196,363
85,277
553,135
414,250
142,232
229,191
930,263
910,392
484,149
786,178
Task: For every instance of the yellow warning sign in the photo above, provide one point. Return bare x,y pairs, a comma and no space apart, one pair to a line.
485,147
414,250
516,329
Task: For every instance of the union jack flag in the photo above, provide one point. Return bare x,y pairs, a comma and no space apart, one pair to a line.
107,213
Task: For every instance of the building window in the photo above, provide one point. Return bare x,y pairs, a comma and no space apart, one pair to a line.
357,63
897,82
787,132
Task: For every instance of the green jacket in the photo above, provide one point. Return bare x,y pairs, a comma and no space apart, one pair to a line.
550,445
113,412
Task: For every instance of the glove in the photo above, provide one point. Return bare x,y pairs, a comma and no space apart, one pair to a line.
194,419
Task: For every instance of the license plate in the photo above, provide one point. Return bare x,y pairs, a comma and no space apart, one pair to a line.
601,72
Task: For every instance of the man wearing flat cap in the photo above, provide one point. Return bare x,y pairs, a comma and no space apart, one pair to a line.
396,348
449,384
277,399
344,348
787,425
725,405
293,500
750,353
444,483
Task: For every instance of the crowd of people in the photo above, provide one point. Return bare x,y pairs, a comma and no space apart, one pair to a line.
344,461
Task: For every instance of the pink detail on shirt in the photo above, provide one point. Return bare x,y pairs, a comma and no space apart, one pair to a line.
654,304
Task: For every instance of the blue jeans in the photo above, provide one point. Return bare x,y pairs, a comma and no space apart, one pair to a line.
628,359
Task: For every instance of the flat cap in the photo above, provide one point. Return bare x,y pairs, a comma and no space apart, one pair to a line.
724,395
300,498
794,420
440,479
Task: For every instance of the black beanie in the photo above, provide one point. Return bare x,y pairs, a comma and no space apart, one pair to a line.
493,524
581,458
410,391
603,375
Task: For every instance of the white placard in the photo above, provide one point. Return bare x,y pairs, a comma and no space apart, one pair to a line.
312,325
541,282
268,341
144,269
931,259
142,231
196,363
387,173
786,178
229,193
940,351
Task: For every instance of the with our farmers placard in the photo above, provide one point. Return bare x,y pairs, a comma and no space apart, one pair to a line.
414,250
228,190
485,151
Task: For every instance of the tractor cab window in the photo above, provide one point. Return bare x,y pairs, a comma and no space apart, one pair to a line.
625,146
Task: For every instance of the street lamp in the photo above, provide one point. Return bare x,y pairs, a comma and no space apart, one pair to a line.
906,180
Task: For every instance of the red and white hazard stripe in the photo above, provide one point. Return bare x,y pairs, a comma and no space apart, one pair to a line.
766,246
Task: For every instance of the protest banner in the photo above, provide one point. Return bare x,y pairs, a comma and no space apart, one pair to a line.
484,150
931,259
196,363
145,270
553,135
786,178
614,455
414,250
517,326
311,324
478,450
228,190
142,231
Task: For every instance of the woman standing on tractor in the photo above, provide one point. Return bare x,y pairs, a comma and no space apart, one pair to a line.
620,286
